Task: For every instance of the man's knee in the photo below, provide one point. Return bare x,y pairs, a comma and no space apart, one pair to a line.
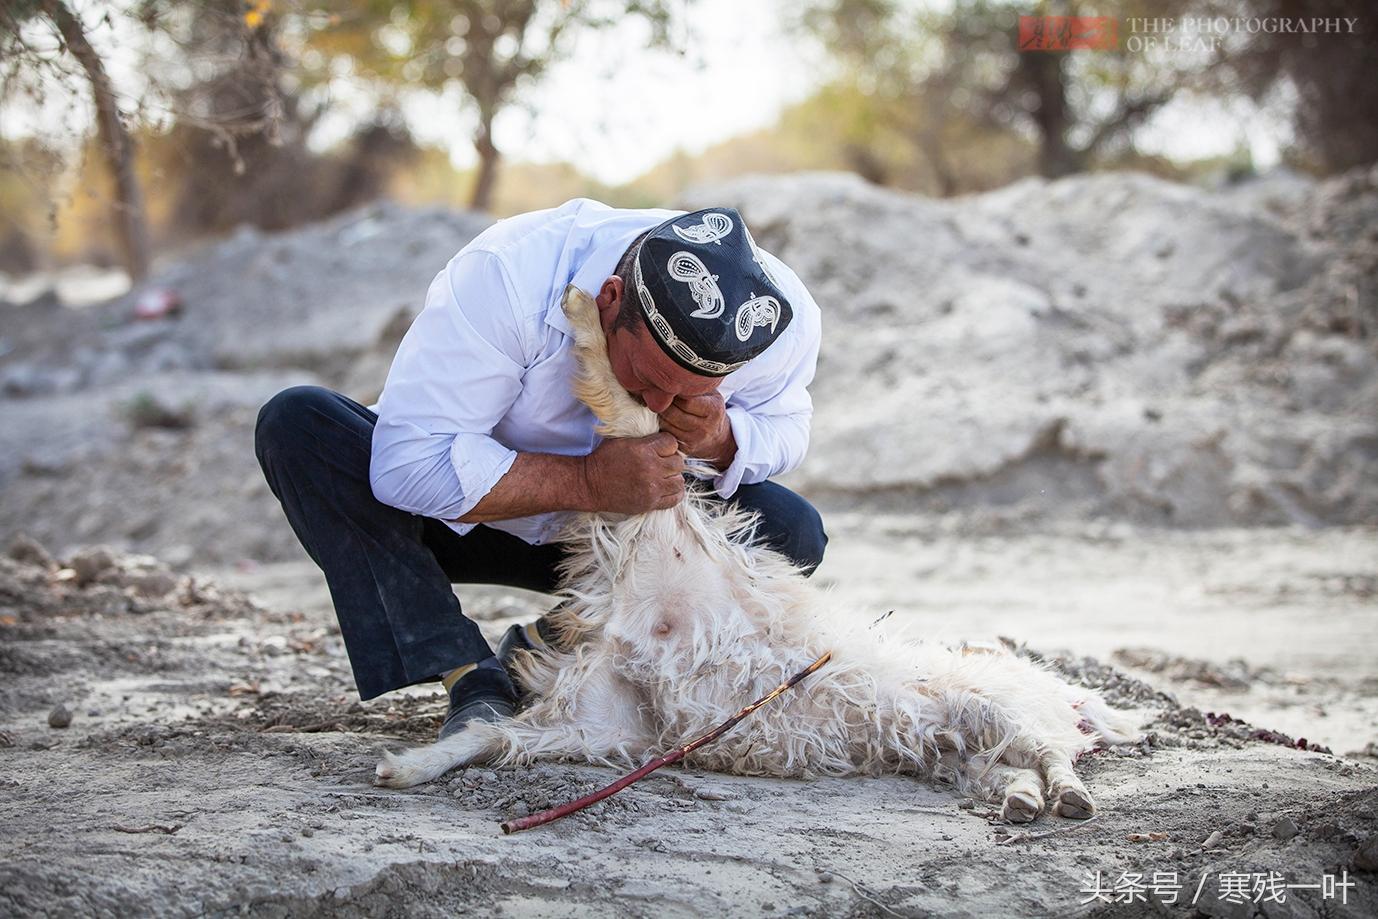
809,539
789,524
284,418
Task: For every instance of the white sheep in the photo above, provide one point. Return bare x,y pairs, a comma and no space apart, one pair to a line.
674,619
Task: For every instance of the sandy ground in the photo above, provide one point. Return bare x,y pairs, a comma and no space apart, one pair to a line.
217,760
1278,626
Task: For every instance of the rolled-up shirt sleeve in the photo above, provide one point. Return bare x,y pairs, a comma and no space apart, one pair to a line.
456,374
770,419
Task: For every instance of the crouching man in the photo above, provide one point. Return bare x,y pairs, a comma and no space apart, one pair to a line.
477,452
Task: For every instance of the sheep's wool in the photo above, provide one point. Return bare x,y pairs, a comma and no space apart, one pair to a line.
675,619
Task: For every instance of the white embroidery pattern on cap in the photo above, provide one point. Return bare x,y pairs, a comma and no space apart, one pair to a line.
758,311
703,286
756,257
667,335
713,228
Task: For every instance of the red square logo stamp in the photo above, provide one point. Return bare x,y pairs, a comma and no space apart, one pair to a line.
1068,33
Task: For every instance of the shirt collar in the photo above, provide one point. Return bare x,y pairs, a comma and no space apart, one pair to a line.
615,236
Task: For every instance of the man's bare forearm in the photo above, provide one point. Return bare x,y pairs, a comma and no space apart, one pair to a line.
623,475
536,483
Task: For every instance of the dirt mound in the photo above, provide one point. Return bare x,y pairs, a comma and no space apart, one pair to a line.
150,422
310,299
1101,345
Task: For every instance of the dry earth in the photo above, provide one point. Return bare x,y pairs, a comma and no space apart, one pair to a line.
217,762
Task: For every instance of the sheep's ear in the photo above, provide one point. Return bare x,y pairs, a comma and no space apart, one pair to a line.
582,312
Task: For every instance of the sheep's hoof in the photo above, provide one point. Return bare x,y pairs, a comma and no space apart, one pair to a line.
1021,807
1074,803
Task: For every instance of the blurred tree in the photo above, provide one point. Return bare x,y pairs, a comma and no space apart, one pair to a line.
116,146
1326,80
844,126
239,150
490,48
213,106
23,204
931,68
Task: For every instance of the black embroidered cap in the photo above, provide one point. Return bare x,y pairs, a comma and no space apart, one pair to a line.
706,292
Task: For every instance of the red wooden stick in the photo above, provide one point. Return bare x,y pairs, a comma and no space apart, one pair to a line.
569,807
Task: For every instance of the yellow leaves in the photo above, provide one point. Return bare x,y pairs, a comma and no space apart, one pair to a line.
256,11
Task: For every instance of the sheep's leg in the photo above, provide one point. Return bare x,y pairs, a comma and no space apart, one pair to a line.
477,742
1018,789
511,740
595,715
1021,790
1097,717
1069,796
1048,750
949,769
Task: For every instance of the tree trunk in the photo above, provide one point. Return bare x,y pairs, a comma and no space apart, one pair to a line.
131,227
1041,72
487,179
930,140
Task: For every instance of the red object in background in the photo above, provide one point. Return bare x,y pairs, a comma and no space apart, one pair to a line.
157,303
1068,33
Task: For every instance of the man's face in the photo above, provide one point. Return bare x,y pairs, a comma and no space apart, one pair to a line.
640,365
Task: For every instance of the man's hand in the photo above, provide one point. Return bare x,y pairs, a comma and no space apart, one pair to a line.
634,475
700,425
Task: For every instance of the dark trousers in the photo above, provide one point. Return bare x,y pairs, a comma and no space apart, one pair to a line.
390,571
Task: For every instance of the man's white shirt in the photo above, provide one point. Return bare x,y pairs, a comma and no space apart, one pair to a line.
485,371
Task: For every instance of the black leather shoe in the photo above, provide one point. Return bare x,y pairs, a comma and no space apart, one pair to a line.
483,694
